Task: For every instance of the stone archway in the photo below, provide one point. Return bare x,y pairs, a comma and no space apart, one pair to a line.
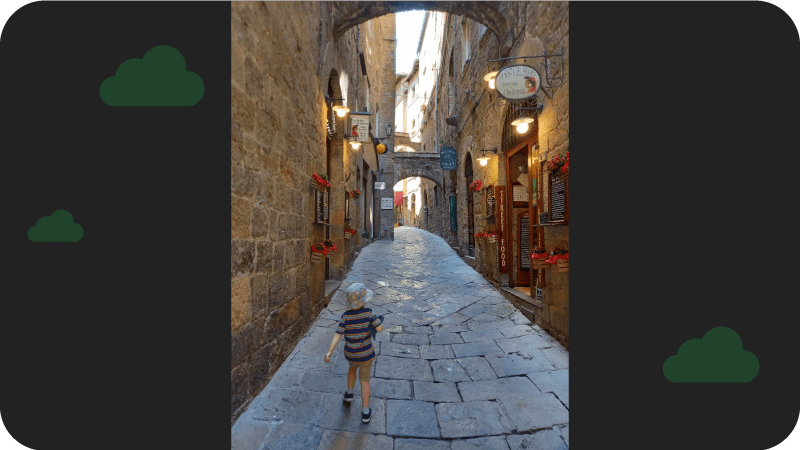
491,14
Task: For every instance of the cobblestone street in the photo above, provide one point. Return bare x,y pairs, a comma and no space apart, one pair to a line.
458,367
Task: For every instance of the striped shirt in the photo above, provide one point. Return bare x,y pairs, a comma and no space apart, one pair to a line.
355,325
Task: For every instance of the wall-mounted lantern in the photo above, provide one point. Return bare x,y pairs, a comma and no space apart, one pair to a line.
484,160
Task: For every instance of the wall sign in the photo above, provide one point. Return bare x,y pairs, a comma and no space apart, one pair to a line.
448,158
538,293
501,228
557,199
386,202
359,122
380,185
518,82
453,221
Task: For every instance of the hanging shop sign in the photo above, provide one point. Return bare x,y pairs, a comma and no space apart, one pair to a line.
359,126
502,229
386,202
381,149
380,185
448,158
518,82
398,198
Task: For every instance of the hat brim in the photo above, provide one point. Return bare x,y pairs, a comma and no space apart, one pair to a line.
367,298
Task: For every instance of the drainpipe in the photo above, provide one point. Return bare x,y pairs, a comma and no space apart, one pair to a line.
436,114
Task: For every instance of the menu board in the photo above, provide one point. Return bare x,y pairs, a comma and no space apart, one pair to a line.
557,199
524,241
321,212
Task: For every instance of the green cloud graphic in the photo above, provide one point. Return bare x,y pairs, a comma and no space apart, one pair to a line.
717,358
158,79
58,227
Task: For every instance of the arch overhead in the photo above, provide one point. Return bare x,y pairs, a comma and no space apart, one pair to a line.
349,14
424,165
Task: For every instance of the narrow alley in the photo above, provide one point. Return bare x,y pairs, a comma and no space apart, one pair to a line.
457,366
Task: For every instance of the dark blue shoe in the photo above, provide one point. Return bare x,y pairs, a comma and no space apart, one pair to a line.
365,417
348,397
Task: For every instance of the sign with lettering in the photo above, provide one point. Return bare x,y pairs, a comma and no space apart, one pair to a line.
386,202
359,126
557,197
524,242
538,293
448,158
502,229
518,82
380,185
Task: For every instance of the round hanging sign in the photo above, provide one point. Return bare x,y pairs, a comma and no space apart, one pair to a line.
381,149
518,82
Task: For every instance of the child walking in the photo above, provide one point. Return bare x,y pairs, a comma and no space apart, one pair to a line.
355,326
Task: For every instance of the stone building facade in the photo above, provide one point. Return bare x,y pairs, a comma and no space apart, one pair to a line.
287,71
472,117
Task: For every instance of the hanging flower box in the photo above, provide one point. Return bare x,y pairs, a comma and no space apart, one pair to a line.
559,165
539,259
355,193
349,233
330,247
562,264
320,182
491,237
318,253
475,185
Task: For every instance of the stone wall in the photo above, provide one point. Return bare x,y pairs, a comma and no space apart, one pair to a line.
283,60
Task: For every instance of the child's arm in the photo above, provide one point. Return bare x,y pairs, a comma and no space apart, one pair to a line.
336,338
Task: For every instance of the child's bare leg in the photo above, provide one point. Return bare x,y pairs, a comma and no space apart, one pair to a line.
351,378
365,394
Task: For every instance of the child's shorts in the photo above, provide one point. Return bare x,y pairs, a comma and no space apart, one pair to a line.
364,368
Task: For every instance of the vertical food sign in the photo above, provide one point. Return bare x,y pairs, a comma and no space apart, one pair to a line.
503,235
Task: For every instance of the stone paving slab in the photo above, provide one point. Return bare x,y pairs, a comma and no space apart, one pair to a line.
343,440
393,389
531,412
395,319
403,369
248,434
474,310
563,395
486,443
446,370
502,309
285,405
542,440
400,350
495,323
483,317
436,352
477,368
453,319
557,380
411,339
419,317
326,323
307,363
420,444
436,392
507,365
286,379
327,383
494,389
338,415
446,338
383,336
417,329
445,309
565,434
522,343
290,436
482,336
411,419
557,356
472,419
476,349
517,331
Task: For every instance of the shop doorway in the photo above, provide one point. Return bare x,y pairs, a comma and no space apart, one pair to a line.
470,204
